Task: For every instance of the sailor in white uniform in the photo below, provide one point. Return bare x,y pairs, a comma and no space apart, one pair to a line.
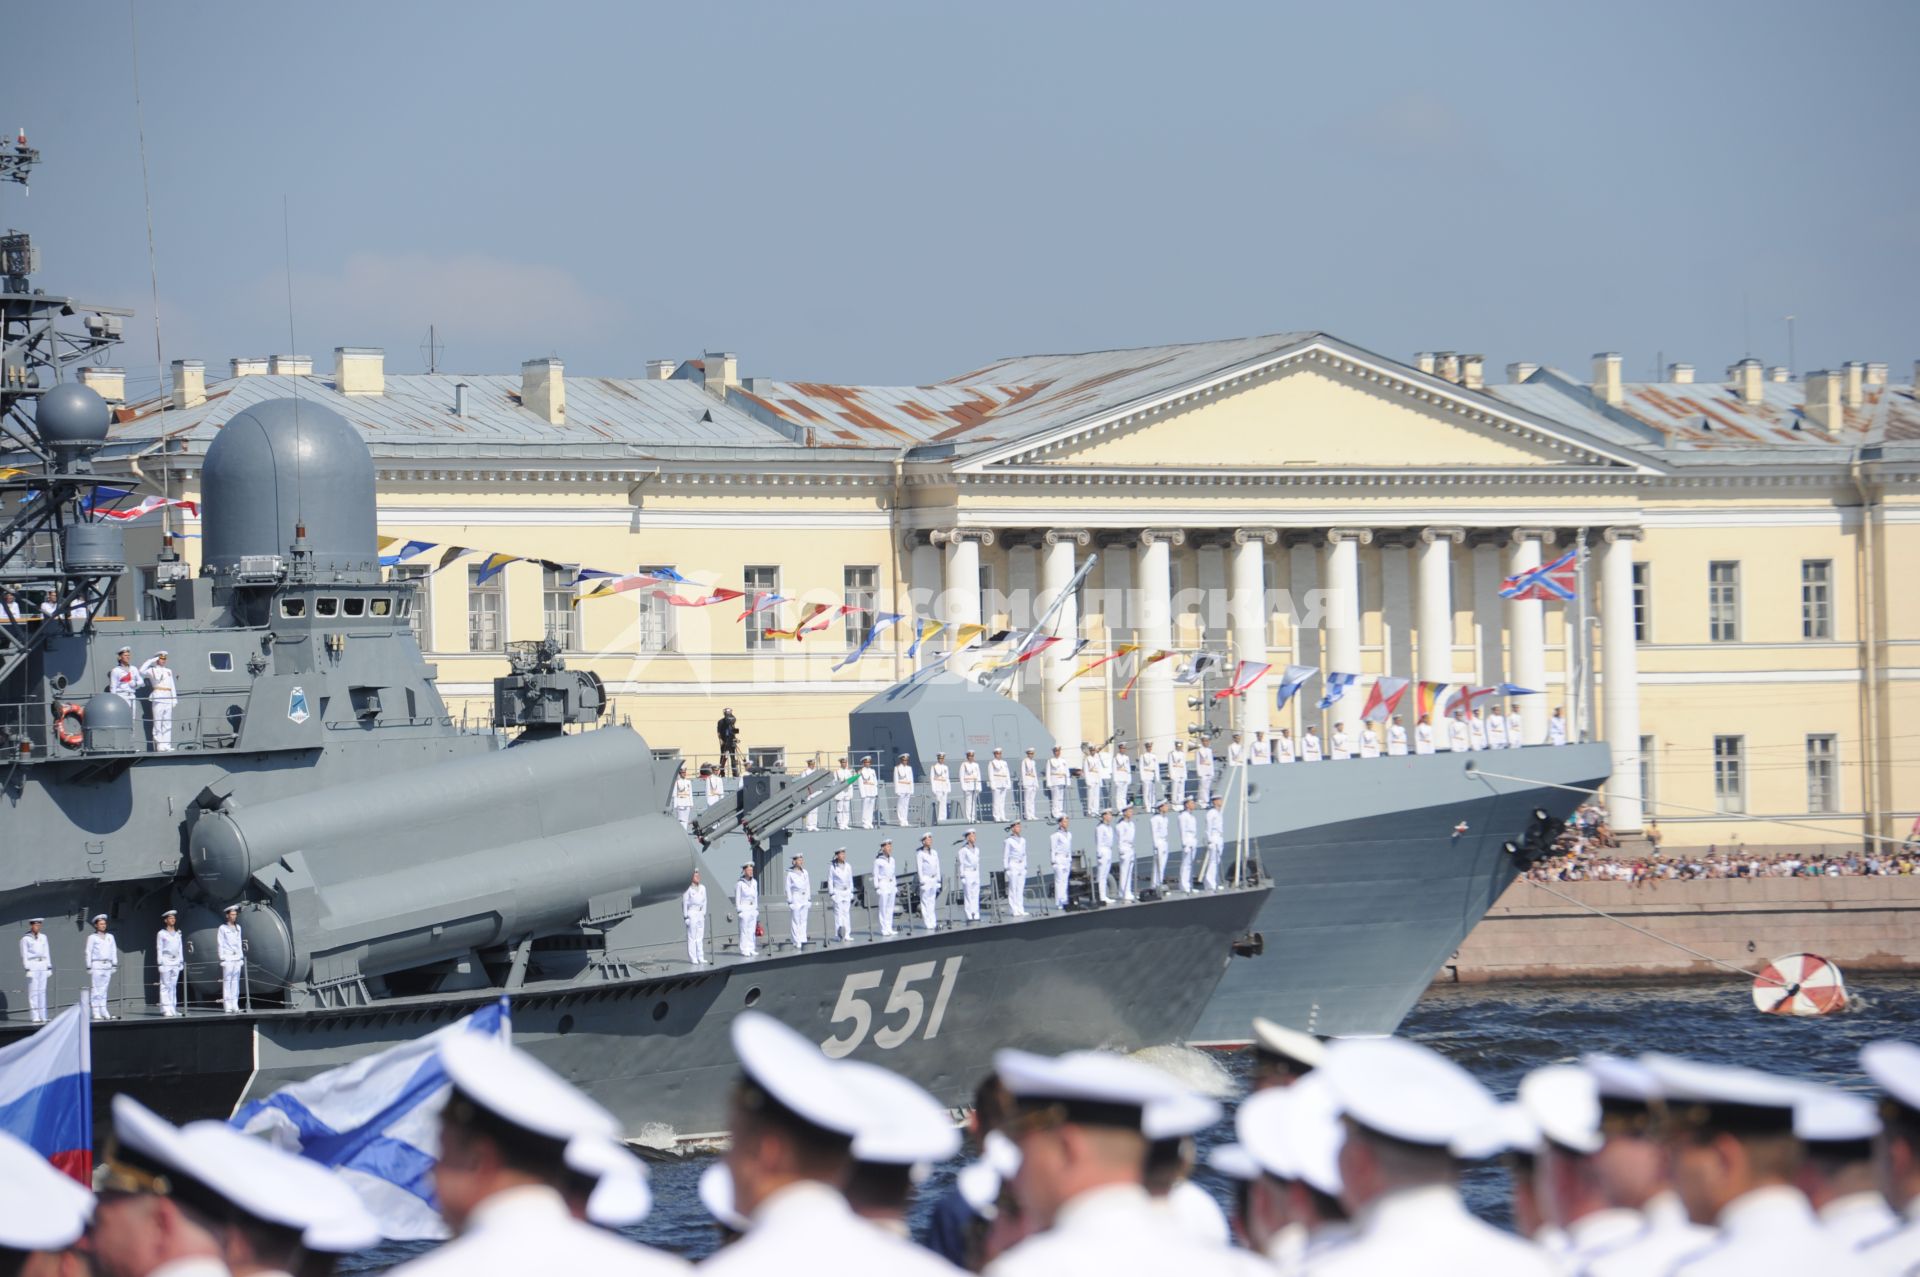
1216,842
746,907
1340,743
1283,751
1310,745
1282,1056
1396,738
1423,735
1633,1170
886,885
792,1124
1262,755
999,782
1514,740
1058,776
869,792
844,783
1459,739
1894,1067
1029,785
170,957
904,1133
36,959
1189,843
1103,843
103,959
1403,1105
1369,741
693,912
1171,1125
940,781
1203,771
1158,828
1837,1129
1177,773
970,788
230,946
1150,776
902,790
1013,863
813,814
716,788
1122,774
1496,730
1557,728
162,696
1560,1107
927,869
1093,774
799,902
1294,1214
1060,861
840,891
966,867
1236,751
123,680
1476,731
683,798
1126,833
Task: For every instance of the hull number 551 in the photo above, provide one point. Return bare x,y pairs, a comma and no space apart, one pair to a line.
905,1013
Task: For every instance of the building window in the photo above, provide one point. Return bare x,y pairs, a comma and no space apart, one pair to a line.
1723,602
1643,602
556,603
761,580
1729,773
1816,598
1823,792
420,615
486,612
1648,807
862,590
656,615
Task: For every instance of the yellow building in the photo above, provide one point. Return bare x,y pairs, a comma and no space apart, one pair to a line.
1290,499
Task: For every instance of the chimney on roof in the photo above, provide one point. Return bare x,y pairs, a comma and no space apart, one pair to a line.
1606,377
722,372
460,389
189,383
360,370
1856,388
248,365
1519,372
292,365
1823,400
1680,374
1424,361
1473,371
661,369
1876,374
1446,366
1779,373
543,389
1744,379
109,383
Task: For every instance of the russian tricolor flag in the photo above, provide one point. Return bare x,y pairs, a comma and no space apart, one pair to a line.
46,1093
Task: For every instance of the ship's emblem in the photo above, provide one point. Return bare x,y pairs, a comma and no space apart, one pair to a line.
297,705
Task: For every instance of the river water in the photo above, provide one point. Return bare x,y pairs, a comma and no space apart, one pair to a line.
1499,1032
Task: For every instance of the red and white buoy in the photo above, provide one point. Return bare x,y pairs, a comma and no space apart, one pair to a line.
1799,984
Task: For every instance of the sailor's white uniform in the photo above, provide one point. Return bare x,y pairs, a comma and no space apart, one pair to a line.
746,903
1897,1251
103,959
1855,1219
1458,737
1428,1230
999,783
1189,843
162,697
1103,860
902,792
1126,832
528,1230
1030,786
970,789
840,891
1369,743
683,801
869,794
940,781
693,912
1310,746
966,866
1057,776
813,814
231,949
1177,773
1556,729
1665,1237
1283,748
1117,1229
1236,753
886,889
1060,848
1340,744
716,788
1514,740
1157,828
124,681
806,1227
1093,771
1122,777
1150,777
170,956
1476,732
1203,771
1396,739
843,797
927,866
799,905
1423,738
1769,1231
1496,730
1216,847
36,958
1262,751
1013,860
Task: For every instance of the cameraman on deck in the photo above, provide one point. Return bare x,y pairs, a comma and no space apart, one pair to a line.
729,731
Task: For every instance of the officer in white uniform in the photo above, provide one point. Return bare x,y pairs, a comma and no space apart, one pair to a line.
1283,749
999,782
231,948
1058,775
1310,745
902,790
969,787
746,905
1459,739
1203,771
1029,785
1177,773
43,1213
1369,741
36,959
1633,1170
1561,1102
843,779
1282,1056
1236,751
1126,833
683,798
1837,1128
799,902
1093,775
1894,1067
1423,735
1122,774
840,891
904,1133
1189,844
1157,828
1150,775
1103,842
1013,863
793,1120
966,866
1496,730
693,912
716,788
1403,1105
162,696
1340,743
170,956
1293,1212
940,781
1476,731
1216,842
927,870
1514,740
869,792
1557,728
504,1137
1261,753
103,959
1171,1125
886,885
1060,848
123,680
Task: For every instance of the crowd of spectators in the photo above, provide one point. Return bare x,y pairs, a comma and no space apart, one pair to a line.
1587,851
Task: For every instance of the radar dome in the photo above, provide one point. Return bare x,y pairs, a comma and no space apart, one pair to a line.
72,417
283,463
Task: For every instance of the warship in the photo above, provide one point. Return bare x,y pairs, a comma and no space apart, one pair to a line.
394,871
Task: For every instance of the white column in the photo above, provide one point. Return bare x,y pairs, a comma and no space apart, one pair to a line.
1620,678
1340,573
1527,636
962,601
1489,654
1153,579
1396,620
926,581
1435,619
1023,593
1247,613
1060,709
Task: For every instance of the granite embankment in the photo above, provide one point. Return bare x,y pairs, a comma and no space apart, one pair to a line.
1863,924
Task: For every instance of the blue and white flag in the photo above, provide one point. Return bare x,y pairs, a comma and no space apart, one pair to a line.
46,1092
880,622
1514,689
376,1122
1292,681
406,551
1337,687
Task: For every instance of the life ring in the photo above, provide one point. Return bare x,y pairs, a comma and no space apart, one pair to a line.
73,737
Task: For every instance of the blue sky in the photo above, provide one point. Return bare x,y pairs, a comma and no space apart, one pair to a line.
901,192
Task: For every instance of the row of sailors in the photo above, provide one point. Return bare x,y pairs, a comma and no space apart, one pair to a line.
102,957
1103,768
1116,855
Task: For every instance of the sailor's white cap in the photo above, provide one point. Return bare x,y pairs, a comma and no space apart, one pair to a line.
1029,749
162,652
1895,1069
1001,1153
1403,1090
1617,1078
1179,1116
99,917
42,1209
1295,1133
232,908
793,1072
620,1196
137,1129
969,829
170,913
1508,1129
124,651
979,1188
716,1194
39,920
1829,1115
1564,1103
1720,1095
521,1091
1094,1087
277,1187
1302,1049
1233,1161
902,1125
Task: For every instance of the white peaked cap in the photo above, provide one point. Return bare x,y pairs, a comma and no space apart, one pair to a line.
1509,1129
277,1187
1179,1116
1088,1078
1564,1102
1405,1091
979,1189
1829,1115
41,1208
1277,1039
1617,1078
716,1194
98,917
1234,1162
1703,1083
621,1197
521,1091
792,1070
144,1132
1295,1133
1000,1153
1895,1069
903,1125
